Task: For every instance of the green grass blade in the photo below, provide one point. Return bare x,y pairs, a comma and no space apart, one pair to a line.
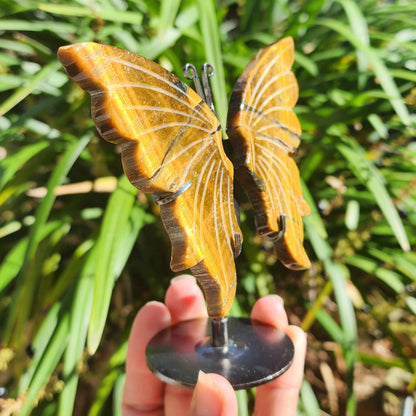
371,178
308,400
57,177
411,304
113,15
48,363
13,263
372,267
152,48
307,63
378,125
403,74
331,327
36,26
115,227
379,68
213,51
9,82
406,264
118,394
242,402
10,165
314,218
313,228
24,291
39,345
84,297
360,29
347,334
21,93
385,362
72,271
108,383
310,317
338,274
79,322
168,12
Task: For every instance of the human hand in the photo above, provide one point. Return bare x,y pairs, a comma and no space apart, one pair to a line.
145,395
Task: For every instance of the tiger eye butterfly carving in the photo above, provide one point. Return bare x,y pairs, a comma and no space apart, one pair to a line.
172,147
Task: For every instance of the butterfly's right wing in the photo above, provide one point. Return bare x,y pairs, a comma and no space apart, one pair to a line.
265,133
171,147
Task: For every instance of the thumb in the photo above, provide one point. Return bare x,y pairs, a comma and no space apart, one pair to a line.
213,395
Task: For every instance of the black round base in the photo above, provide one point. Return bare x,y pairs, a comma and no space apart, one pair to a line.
255,353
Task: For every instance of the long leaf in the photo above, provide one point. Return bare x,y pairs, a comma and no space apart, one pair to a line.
48,363
110,250
10,165
39,345
212,43
360,29
21,93
347,337
379,68
25,287
371,266
309,401
82,305
168,11
113,15
365,170
108,383
79,321
118,394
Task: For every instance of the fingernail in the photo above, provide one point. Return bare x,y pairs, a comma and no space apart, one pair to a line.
206,400
278,298
182,277
153,302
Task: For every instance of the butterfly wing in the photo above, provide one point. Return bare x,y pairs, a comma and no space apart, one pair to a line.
171,147
265,133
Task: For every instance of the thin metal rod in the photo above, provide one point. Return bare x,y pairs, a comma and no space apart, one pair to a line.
207,71
190,72
204,89
219,332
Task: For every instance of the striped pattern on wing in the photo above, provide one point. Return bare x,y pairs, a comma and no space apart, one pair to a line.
265,133
169,137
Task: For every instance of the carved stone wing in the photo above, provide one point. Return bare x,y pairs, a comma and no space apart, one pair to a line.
265,133
171,147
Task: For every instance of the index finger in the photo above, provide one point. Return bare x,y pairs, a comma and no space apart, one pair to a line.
143,391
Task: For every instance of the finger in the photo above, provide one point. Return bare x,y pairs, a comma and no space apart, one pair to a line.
213,395
280,396
271,311
184,299
293,377
143,391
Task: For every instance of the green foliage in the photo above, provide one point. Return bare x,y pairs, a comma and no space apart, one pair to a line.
76,266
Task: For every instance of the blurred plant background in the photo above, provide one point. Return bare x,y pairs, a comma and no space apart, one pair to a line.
81,250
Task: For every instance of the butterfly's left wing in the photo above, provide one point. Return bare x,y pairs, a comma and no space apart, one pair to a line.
171,147
265,133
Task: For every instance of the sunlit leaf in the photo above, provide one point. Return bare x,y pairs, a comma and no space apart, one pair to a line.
368,174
